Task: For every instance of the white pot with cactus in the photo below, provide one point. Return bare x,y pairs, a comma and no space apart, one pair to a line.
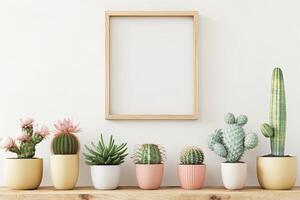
191,170
276,170
24,172
105,161
64,159
231,144
148,159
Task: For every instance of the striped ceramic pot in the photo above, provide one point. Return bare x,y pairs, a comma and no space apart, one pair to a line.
191,176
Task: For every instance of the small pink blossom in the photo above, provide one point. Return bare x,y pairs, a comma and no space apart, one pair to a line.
26,122
22,137
67,126
42,130
7,143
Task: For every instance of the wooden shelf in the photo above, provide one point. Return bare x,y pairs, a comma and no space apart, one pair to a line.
164,193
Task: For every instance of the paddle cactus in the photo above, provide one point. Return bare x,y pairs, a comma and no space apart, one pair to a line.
191,155
24,145
232,142
275,130
64,141
149,154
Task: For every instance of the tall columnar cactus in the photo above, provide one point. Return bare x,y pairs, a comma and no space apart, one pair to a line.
232,142
149,154
276,129
65,142
191,156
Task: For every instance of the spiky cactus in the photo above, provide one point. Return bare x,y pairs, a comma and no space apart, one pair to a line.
25,143
65,144
191,155
64,141
232,142
149,154
276,129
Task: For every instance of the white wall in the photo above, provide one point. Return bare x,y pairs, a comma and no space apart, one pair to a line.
52,66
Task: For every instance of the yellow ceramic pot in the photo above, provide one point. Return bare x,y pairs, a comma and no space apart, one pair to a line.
64,171
276,173
23,174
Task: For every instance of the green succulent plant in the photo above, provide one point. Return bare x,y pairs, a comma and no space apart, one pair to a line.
65,141
149,154
232,142
191,155
105,154
276,129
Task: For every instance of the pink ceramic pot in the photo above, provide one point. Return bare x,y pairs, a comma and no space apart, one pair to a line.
191,176
149,177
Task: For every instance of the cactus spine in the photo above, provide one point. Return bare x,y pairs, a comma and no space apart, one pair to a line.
277,127
191,156
148,154
65,144
232,142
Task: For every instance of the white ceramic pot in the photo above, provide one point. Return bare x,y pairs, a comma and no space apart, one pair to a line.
234,175
105,177
64,171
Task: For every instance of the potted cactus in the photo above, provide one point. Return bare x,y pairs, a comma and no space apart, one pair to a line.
105,161
191,170
24,172
276,170
231,144
64,159
149,165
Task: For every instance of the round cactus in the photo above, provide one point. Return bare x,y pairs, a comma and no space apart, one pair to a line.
191,156
148,154
65,144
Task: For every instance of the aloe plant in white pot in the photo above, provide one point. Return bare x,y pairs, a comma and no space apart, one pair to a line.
105,161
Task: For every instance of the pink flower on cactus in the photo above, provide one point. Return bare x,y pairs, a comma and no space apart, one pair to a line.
7,143
22,137
26,122
67,126
41,130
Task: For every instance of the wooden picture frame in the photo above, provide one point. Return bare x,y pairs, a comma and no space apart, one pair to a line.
108,76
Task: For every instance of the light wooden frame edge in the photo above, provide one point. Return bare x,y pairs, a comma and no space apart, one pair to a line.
108,14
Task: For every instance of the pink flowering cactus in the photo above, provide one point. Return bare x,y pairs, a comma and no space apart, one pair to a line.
25,142
7,143
26,122
41,130
66,126
22,136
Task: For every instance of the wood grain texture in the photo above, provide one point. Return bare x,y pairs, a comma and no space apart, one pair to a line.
164,193
115,116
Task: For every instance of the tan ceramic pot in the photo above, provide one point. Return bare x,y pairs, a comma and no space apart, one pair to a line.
23,174
276,173
149,177
64,171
